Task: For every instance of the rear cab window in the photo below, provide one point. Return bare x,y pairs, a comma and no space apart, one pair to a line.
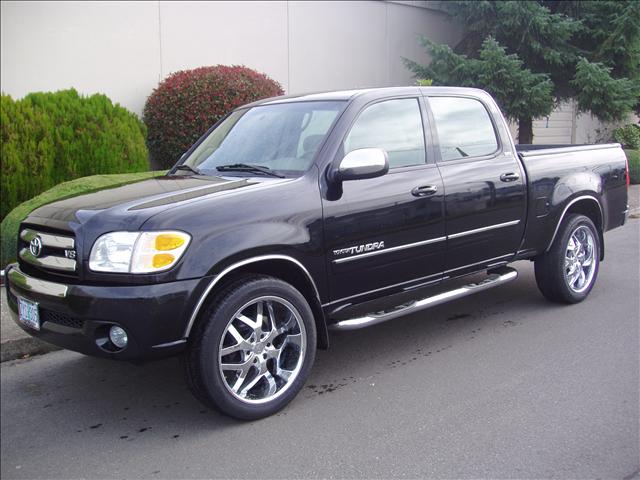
464,128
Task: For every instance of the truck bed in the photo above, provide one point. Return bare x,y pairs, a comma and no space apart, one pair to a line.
552,181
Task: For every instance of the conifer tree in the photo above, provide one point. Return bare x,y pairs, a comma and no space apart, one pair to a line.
533,54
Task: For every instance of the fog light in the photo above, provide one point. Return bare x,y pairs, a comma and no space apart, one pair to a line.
118,336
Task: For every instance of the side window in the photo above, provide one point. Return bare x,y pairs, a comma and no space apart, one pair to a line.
464,128
315,125
395,126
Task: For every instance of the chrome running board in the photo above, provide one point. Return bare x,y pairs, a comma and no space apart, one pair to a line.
494,279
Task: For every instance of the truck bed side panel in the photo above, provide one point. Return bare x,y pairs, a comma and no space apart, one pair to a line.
558,177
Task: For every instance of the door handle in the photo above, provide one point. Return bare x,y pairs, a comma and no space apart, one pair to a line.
509,177
424,191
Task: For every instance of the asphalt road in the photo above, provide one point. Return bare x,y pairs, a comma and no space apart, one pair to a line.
498,385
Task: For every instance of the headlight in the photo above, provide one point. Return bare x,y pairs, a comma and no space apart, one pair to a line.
137,252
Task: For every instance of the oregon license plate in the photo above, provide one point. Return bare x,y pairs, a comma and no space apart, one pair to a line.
28,313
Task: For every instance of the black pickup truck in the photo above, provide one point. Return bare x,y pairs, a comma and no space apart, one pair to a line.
296,215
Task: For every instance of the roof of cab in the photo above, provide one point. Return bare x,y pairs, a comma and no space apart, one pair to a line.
346,95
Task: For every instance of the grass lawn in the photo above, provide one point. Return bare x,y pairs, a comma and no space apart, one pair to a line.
79,186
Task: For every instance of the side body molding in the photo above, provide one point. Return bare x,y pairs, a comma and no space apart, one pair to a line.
566,208
237,265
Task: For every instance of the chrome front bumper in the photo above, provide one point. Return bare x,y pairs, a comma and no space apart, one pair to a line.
35,285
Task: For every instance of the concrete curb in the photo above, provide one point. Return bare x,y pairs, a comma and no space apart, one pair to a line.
24,347
16,343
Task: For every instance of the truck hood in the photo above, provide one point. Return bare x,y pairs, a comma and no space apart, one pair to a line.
134,203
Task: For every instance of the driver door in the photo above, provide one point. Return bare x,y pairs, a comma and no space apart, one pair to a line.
386,234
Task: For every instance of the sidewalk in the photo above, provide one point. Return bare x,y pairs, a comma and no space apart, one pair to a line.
634,201
17,344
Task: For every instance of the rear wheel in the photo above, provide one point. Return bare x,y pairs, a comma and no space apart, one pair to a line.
568,271
253,349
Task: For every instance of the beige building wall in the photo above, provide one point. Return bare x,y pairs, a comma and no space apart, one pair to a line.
566,125
557,128
123,49
591,130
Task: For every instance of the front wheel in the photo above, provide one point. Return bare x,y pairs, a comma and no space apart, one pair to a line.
568,271
253,348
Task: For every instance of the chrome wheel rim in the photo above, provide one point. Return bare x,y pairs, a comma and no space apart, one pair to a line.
262,350
580,259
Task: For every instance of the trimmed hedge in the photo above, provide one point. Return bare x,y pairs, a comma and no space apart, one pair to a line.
628,136
187,103
48,138
11,223
633,156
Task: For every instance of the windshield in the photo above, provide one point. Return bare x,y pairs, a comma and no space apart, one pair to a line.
282,137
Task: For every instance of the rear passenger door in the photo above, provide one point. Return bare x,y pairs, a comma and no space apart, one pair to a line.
485,195
384,234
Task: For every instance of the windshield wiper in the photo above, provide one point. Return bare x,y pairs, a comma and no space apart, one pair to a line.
245,167
189,168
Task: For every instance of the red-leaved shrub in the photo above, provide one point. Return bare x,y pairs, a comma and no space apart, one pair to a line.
188,102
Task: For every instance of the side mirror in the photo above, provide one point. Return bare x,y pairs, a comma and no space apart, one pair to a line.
363,163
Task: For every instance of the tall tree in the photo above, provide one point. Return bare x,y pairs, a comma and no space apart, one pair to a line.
586,50
521,94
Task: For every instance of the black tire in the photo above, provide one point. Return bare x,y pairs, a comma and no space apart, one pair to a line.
551,275
202,359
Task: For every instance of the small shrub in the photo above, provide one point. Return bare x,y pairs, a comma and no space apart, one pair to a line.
48,138
633,156
187,103
628,136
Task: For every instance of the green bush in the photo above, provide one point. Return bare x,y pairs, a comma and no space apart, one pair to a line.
633,156
11,223
628,136
48,138
187,103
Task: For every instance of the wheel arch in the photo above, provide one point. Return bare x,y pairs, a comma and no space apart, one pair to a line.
283,267
589,206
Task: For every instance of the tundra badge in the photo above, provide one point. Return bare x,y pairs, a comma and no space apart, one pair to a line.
367,247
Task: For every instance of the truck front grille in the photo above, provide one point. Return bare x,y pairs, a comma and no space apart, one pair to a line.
48,251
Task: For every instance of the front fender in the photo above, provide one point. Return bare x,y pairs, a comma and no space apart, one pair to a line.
262,238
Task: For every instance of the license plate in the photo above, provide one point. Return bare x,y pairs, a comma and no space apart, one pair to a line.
28,313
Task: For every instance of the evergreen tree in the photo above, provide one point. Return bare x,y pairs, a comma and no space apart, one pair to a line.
520,93
531,54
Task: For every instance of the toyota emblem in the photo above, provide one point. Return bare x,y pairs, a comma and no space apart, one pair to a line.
35,246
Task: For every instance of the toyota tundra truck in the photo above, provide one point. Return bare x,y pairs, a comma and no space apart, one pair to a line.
295,216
